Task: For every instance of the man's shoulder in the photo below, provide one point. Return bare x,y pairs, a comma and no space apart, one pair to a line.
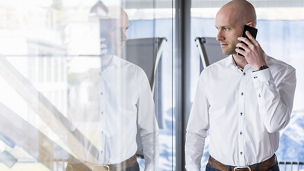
278,65
217,66
125,64
128,67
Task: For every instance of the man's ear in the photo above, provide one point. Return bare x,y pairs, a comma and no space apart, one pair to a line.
251,24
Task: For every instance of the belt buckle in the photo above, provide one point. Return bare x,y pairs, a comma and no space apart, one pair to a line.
241,167
107,167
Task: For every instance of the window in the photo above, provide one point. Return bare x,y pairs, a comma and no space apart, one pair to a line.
51,62
280,25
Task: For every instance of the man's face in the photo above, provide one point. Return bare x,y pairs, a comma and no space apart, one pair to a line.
118,35
229,29
114,33
123,29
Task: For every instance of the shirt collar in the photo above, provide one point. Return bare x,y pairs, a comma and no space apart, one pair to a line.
109,61
230,62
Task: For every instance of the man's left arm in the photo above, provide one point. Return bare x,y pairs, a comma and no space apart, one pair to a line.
147,123
275,96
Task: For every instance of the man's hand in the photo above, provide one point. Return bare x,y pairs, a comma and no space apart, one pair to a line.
253,53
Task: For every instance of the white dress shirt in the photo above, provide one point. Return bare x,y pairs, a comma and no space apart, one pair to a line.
126,103
242,110
115,102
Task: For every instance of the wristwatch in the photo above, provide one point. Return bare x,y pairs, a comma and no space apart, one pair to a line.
263,67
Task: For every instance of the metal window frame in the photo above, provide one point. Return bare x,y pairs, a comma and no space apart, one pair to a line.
182,77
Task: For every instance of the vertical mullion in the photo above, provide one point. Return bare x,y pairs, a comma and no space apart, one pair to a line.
182,76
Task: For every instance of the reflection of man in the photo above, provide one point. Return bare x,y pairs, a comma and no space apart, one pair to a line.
243,101
128,103
125,102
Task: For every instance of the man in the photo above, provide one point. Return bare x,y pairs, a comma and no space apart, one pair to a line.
128,104
125,103
243,101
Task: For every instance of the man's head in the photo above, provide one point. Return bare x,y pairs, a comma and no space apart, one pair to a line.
230,20
113,30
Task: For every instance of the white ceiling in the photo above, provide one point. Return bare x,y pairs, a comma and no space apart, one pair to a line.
209,3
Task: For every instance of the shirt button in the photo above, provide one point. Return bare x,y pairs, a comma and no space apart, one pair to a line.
255,77
244,73
259,95
242,94
241,133
241,113
241,153
101,93
101,113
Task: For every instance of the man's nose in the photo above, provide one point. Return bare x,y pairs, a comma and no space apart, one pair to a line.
219,36
124,36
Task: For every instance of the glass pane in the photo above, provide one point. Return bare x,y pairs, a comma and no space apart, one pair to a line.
202,25
86,84
280,34
154,23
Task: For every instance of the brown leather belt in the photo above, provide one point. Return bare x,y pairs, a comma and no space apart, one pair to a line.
262,166
97,167
123,165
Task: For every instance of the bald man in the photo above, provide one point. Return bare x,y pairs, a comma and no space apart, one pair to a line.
243,101
126,103
123,103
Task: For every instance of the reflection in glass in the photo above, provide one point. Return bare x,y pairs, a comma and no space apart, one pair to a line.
55,69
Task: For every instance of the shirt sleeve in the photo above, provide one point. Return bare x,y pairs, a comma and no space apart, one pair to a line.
194,150
197,127
147,124
275,96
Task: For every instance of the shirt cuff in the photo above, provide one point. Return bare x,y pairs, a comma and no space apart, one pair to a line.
262,75
151,151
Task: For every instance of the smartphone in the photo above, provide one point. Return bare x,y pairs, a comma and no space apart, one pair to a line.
253,31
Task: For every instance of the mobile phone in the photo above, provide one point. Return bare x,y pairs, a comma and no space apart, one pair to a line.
253,31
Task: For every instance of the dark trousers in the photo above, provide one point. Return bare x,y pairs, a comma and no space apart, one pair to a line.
134,167
80,167
273,168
